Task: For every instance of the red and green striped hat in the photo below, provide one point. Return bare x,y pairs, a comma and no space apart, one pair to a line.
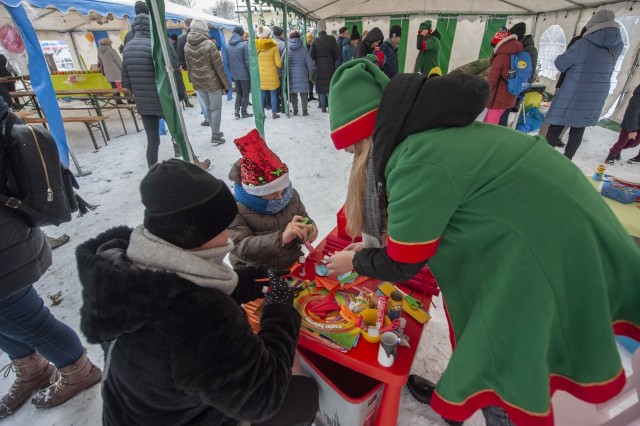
354,96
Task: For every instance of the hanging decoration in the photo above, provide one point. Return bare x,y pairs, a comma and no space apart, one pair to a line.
11,40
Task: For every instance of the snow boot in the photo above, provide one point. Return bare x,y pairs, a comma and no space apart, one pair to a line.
610,159
67,382
274,116
246,114
33,373
635,160
422,390
217,139
237,113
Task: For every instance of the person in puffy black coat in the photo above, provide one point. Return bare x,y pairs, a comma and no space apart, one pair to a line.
29,334
138,75
324,50
181,351
372,40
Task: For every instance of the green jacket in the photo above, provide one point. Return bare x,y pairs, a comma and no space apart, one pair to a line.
429,55
533,265
204,63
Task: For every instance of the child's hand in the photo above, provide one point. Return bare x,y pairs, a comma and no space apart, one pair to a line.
295,229
633,135
314,233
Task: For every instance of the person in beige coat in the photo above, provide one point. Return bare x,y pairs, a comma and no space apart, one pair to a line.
269,61
207,74
270,227
110,63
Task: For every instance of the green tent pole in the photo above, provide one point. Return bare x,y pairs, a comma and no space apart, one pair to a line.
165,80
304,37
256,93
285,64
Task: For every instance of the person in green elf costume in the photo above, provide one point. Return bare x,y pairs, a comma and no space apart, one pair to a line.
536,271
428,44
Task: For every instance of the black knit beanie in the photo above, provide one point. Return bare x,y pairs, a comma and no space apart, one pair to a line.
238,30
184,205
355,35
141,7
519,29
396,31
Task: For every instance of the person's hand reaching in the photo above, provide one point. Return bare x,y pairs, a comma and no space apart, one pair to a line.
295,229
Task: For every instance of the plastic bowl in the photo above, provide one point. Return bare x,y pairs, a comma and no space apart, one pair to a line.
369,317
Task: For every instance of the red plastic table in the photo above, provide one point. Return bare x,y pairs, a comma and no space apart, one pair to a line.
364,359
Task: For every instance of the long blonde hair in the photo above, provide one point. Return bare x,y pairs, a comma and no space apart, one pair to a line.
354,206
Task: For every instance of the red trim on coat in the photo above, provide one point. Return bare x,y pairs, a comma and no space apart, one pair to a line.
627,329
411,252
355,130
592,393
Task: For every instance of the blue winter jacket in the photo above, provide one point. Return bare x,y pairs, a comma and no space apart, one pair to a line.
348,51
588,65
237,58
300,66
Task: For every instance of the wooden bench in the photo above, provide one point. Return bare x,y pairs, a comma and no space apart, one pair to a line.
129,107
92,122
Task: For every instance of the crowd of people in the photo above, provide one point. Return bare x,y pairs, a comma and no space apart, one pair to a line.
165,306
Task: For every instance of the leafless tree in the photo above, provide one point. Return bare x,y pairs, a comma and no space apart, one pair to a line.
187,3
224,9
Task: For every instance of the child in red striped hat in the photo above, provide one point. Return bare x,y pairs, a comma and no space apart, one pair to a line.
270,226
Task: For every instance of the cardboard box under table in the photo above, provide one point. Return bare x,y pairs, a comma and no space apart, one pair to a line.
363,358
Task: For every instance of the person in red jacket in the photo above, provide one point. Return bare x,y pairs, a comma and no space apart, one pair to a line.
504,44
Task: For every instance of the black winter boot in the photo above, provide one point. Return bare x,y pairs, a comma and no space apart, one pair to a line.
636,159
422,390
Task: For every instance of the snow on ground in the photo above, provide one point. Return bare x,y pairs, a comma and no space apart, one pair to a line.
319,173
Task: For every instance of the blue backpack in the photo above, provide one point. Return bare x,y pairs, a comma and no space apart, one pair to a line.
520,73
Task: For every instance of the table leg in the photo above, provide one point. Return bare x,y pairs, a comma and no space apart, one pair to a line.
389,406
96,105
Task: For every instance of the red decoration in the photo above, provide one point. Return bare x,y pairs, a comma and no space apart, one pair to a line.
11,39
259,165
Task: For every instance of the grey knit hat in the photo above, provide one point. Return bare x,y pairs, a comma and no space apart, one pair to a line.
601,16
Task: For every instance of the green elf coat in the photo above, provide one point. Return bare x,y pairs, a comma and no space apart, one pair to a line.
536,271
429,49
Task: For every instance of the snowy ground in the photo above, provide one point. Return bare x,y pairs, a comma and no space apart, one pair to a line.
318,171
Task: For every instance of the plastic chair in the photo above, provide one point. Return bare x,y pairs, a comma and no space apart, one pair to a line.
622,410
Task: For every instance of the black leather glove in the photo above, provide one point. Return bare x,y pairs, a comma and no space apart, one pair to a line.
279,291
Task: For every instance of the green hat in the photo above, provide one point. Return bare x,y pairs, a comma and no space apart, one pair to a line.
426,25
354,95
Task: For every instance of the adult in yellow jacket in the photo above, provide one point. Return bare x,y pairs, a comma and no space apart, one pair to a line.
269,60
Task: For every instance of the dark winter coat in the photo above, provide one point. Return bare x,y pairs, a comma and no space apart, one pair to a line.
364,47
24,252
184,354
237,58
204,63
324,51
500,98
111,63
529,47
348,51
340,42
138,71
390,51
300,66
180,44
588,64
631,120
258,237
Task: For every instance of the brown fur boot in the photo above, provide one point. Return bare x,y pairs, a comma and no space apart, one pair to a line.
68,382
33,373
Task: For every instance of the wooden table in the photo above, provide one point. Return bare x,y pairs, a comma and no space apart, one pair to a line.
364,359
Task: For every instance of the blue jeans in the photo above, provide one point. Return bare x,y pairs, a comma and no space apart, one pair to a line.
203,108
323,99
274,99
26,326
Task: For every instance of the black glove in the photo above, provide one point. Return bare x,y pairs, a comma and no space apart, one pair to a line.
279,291
248,288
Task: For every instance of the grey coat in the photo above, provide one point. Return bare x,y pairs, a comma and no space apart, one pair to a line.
588,65
237,58
138,71
111,63
300,66
324,50
258,237
204,63
24,252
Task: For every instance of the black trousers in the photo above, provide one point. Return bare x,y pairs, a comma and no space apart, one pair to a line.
300,404
243,91
151,125
575,138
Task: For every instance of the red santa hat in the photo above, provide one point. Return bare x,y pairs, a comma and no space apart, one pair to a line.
261,170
